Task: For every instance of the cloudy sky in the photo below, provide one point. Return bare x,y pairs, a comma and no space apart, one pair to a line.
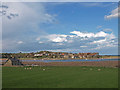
67,27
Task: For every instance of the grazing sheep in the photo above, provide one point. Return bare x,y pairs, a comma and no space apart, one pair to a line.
99,69
43,69
24,68
90,68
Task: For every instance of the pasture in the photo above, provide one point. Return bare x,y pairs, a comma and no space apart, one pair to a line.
59,77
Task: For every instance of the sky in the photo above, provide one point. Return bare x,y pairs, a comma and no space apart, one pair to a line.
61,27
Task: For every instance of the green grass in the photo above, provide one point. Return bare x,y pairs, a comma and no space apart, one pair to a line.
60,77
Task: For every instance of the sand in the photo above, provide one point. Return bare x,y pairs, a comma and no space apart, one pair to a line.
81,63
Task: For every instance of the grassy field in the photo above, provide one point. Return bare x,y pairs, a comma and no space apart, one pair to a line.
60,77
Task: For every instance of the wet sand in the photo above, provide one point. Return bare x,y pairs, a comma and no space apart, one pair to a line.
81,63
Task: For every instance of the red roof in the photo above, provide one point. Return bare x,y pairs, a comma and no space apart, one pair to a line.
62,53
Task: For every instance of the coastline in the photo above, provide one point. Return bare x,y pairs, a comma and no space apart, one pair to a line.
116,57
104,57
81,63
99,63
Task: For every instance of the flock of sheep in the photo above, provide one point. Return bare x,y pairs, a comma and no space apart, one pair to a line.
29,68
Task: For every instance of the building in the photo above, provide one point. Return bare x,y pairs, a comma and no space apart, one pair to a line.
37,55
13,62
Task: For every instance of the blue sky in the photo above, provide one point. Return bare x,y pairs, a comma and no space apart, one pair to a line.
77,16
66,27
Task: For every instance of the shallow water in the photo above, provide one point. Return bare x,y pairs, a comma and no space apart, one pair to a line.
67,60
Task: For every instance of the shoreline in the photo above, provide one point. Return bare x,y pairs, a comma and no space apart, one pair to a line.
109,63
65,58
81,63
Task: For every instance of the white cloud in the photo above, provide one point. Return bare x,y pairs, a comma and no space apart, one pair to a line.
89,35
20,20
107,29
57,38
83,46
109,41
113,14
40,42
94,41
53,38
99,41
78,33
104,46
20,42
100,34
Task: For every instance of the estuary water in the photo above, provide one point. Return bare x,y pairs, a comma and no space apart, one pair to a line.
73,60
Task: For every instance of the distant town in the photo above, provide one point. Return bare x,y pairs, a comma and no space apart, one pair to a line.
52,55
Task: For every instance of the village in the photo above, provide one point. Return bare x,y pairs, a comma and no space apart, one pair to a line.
52,55
66,55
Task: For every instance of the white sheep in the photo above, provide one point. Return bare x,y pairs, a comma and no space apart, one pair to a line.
99,69
43,69
90,68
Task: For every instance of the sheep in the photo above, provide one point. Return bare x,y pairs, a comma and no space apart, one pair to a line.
90,68
43,69
99,69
